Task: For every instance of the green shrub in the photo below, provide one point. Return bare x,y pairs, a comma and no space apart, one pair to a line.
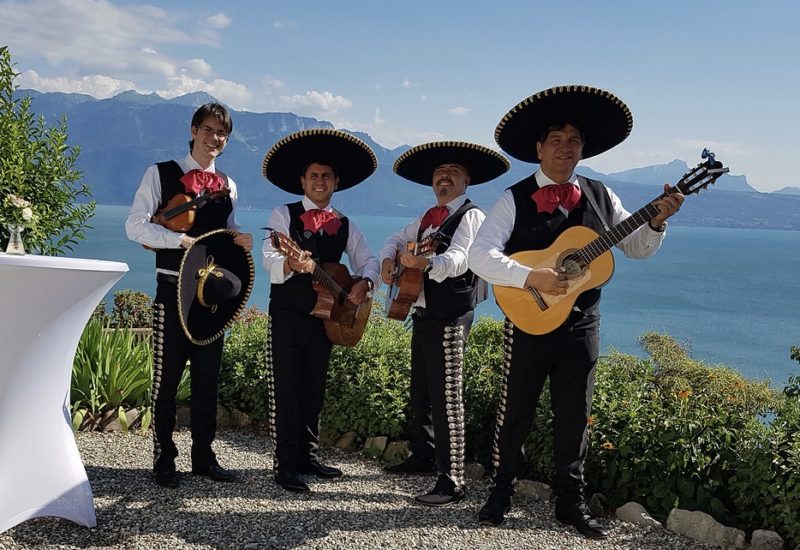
368,384
242,379
132,309
113,371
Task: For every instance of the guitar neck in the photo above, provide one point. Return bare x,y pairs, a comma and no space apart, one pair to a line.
325,279
614,235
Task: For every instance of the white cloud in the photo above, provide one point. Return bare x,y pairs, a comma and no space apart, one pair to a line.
408,84
272,84
96,35
288,24
377,120
313,103
199,68
95,85
234,94
219,21
422,98
458,111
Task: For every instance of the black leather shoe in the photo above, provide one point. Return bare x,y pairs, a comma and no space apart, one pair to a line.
167,477
412,465
320,470
578,516
495,509
444,492
291,481
215,472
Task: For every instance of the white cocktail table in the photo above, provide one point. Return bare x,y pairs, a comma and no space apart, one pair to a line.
45,303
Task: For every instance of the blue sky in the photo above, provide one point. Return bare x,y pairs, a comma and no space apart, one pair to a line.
722,74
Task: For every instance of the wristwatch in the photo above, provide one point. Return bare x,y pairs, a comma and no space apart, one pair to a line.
429,266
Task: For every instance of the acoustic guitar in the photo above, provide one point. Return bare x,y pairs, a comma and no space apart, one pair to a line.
344,321
585,257
408,281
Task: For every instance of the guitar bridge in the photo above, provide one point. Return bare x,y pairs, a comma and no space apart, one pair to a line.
537,297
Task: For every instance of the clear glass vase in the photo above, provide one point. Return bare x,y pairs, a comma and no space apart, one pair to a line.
15,244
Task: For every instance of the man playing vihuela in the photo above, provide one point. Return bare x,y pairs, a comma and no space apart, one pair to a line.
427,262
305,244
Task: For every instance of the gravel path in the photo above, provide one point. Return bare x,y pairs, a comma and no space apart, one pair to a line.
365,509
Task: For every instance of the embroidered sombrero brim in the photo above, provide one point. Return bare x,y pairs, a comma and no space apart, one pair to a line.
202,324
284,163
602,117
418,163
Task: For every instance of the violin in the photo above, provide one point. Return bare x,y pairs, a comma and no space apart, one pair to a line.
179,212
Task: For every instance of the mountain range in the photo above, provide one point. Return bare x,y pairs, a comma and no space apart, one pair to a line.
120,136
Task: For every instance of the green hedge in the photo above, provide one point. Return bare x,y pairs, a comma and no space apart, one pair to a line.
666,430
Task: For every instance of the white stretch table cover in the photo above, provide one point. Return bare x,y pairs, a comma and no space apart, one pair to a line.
45,303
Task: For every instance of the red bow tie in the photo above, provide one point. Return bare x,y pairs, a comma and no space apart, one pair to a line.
316,219
195,181
547,198
433,217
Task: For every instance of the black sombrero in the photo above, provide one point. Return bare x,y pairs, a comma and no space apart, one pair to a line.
214,283
284,162
418,163
602,117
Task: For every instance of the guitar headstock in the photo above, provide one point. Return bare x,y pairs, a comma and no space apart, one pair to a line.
286,246
701,176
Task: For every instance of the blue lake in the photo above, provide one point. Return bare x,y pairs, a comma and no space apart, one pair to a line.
729,295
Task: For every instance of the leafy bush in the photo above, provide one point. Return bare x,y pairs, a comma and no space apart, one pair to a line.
113,372
132,309
37,165
242,378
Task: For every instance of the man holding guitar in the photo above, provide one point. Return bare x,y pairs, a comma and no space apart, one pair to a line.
194,176
443,303
556,128
306,236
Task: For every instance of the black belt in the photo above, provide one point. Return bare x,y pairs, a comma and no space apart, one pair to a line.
166,278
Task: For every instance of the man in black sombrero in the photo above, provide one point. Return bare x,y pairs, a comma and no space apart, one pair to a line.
312,163
556,128
444,309
197,336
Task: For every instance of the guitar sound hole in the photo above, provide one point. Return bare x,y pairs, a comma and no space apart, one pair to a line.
572,266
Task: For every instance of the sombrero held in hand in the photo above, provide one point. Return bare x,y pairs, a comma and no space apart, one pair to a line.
214,283
418,163
602,117
284,163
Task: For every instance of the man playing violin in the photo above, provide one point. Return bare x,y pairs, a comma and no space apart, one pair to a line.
443,310
192,176
313,163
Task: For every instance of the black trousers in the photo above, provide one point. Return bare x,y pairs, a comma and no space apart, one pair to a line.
298,352
567,355
171,351
437,400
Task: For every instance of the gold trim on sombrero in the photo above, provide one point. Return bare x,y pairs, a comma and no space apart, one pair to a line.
316,132
245,292
457,148
561,90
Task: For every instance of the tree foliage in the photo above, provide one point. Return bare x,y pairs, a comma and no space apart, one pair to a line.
38,165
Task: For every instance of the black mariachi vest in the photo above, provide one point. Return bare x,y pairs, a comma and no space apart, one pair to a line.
534,230
454,296
213,214
297,294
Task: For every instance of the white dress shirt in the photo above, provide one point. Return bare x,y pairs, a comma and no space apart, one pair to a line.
362,262
453,261
138,226
488,261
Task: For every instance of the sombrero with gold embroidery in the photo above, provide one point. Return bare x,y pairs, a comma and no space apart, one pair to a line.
418,163
214,283
602,117
352,159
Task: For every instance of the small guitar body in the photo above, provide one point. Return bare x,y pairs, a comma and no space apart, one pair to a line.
525,309
585,257
408,281
344,321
